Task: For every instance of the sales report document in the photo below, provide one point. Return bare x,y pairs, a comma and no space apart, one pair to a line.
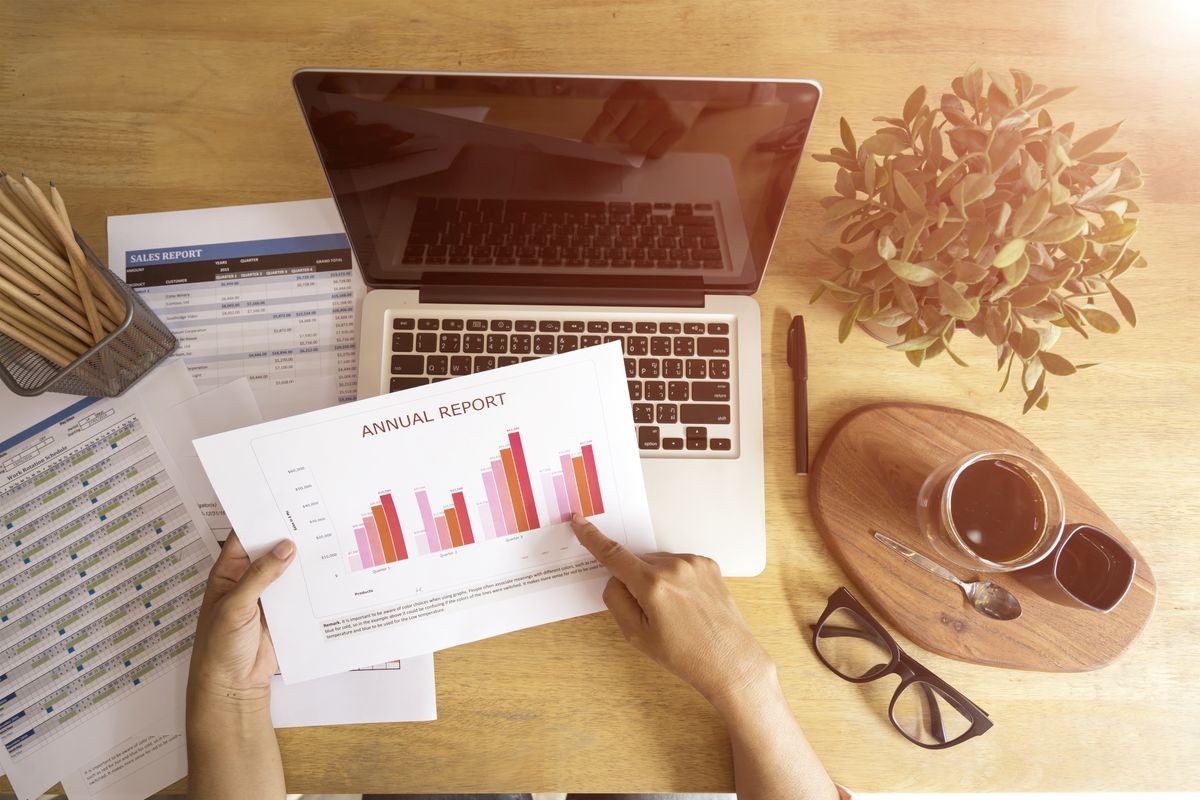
439,515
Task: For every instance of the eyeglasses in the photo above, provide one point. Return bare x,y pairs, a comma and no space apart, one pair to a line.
927,710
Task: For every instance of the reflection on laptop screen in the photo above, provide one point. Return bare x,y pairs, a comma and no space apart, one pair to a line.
573,181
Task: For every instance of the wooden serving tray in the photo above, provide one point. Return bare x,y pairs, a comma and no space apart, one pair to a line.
866,477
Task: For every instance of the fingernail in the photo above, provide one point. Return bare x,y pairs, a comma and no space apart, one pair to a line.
578,519
284,549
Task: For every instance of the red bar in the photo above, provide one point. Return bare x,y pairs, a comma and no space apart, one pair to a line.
464,522
393,519
589,466
514,441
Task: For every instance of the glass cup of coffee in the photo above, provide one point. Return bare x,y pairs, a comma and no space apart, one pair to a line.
991,511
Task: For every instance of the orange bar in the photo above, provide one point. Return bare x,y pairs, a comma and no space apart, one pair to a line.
514,488
585,497
385,536
455,532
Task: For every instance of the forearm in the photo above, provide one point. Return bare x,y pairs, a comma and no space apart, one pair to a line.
232,751
772,759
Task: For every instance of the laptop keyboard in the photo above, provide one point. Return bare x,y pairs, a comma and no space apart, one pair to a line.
680,371
564,233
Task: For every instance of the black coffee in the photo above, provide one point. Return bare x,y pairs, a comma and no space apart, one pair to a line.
998,510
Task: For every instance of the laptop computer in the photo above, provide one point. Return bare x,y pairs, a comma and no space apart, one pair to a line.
503,217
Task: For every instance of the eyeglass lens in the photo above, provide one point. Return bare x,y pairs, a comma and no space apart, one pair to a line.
851,646
926,715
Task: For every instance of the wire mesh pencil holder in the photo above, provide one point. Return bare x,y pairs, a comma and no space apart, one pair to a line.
109,367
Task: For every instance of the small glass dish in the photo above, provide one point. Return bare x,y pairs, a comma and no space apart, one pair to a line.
936,512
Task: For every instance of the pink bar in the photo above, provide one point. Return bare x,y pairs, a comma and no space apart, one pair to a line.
489,528
572,490
518,451
560,491
444,533
506,506
431,531
552,506
593,479
355,563
493,503
373,540
364,549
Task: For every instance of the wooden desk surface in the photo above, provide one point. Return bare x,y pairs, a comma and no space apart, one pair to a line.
135,107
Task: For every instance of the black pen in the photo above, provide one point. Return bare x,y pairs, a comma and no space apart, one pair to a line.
797,356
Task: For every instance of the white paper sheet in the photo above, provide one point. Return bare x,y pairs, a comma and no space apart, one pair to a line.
265,292
222,409
103,556
135,769
426,468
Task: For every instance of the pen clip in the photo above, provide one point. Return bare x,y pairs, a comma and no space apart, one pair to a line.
791,342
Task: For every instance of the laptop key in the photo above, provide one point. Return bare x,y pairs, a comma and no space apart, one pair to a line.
502,325
589,341
643,412
449,343
573,326
597,326
473,343
398,384
437,365
630,368
520,343
622,327
672,368
460,365
697,368
404,324
427,324
477,325
452,324
648,437
656,390
693,327
549,326
710,391
648,368
660,346
402,342
684,346
720,444
670,327
697,444
635,390
484,363
646,327
543,345
525,325
567,343
637,346
666,413
718,368
497,343
713,346
706,413
507,361
718,328
408,365
427,342
678,392
672,443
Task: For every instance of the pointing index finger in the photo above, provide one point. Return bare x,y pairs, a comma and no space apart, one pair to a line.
621,562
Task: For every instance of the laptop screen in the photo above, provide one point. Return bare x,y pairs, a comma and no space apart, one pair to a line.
509,180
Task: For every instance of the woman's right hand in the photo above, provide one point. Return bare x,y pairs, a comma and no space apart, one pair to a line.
676,609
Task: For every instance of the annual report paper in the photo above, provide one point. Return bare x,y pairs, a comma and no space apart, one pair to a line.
436,516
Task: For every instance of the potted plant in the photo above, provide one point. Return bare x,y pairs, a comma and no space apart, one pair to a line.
982,214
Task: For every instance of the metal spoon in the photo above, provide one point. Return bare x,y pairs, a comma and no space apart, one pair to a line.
986,597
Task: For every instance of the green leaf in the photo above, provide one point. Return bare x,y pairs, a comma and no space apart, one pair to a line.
918,343
1123,305
912,273
1059,229
1035,394
907,194
881,144
866,259
977,186
1049,97
915,357
1093,141
1004,82
848,137
840,293
842,208
913,103
955,304
1056,364
1101,320
1009,253
1031,213
817,294
848,320
1044,401
1116,233
886,247
1028,296
937,240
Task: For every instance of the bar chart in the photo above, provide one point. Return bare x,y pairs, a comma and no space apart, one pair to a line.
503,504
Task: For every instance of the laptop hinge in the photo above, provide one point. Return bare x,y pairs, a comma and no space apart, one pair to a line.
561,295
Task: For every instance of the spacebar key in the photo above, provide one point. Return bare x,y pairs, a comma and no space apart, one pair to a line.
704,413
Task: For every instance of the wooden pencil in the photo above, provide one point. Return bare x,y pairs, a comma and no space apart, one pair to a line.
64,340
51,279
111,299
49,314
39,345
22,195
11,204
34,289
78,265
